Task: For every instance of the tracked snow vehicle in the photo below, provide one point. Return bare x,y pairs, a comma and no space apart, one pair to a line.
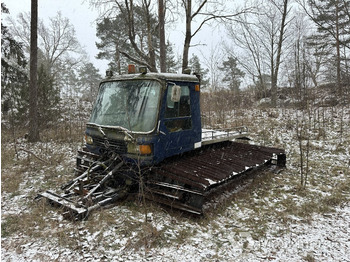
145,134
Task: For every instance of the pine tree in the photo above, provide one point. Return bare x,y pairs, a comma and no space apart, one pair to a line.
89,78
48,97
233,74
122,42
14,80
196,68
333,25
171,64
113,38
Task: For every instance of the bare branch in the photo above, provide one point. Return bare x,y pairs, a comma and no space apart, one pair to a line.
37,157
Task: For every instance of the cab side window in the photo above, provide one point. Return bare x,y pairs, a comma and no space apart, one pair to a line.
181,108
179,112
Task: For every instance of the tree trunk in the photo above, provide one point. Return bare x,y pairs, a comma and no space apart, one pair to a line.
188,36
117,58
162,49
33,135
279,53
339,87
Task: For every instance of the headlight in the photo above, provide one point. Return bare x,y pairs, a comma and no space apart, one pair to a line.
139,149
88,140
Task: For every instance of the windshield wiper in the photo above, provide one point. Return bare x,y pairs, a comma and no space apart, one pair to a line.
101,131
123,129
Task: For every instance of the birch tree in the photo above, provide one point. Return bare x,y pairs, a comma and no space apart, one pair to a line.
262,37
200,13
57,42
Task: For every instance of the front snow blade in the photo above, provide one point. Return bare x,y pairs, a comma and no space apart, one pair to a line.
77,205
73,210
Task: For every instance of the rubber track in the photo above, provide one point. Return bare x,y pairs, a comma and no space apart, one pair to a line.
211,166
205,169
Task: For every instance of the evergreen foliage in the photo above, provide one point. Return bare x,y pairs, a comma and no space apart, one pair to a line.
89,79
117,38
58,63
333,27
172,65
233,75
14,79
330,14
48,97
196,68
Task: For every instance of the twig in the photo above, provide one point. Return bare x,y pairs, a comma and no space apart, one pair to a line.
29,152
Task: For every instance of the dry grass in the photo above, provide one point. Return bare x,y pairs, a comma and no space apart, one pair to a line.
280,198
30,222
269,198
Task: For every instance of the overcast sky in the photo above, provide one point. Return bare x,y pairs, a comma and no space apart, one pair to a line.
82,17
79,15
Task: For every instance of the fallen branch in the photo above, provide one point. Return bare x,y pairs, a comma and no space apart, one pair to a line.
29,152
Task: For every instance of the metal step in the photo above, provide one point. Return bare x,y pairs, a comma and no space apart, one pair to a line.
173,186
174,204
165,194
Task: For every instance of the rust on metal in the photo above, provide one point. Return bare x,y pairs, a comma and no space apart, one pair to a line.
196,174
215,164
183,182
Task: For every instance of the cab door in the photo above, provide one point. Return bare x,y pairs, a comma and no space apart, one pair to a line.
176,124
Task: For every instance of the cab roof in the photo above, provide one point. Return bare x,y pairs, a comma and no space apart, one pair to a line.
155,76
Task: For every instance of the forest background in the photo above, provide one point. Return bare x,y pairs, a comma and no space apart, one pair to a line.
280,67
279,53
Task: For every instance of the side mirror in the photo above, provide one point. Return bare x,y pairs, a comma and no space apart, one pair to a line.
175,93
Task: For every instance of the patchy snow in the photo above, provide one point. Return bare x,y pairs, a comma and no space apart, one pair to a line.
325,239
211,182
272,221
212,135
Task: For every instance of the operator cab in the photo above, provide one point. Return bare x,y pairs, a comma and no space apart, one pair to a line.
145,117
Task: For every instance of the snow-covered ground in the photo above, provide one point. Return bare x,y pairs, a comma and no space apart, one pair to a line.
271,219
326,238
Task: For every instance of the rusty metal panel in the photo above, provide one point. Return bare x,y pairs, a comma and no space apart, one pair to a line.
216,164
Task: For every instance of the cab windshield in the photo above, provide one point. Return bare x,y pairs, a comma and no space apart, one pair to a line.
131,104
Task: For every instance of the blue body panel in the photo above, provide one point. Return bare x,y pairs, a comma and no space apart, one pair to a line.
164,141
174,143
